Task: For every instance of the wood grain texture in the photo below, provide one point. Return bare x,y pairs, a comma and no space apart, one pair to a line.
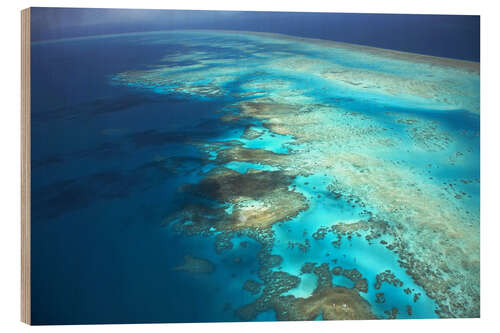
25,168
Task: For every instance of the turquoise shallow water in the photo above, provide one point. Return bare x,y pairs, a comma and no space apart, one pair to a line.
206,143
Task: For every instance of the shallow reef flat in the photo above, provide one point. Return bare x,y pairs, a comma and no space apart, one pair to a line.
257,199
356,170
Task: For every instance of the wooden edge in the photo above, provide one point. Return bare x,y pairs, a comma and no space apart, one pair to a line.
25,168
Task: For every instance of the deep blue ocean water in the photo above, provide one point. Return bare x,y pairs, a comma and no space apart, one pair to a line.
452,36
98,199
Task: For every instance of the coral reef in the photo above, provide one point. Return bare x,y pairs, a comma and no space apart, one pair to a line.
252,286
332,302
259,199
387,277
379,125
195,265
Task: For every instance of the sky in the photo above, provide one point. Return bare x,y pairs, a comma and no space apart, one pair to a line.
452,36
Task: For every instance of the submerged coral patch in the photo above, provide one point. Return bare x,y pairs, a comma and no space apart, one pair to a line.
195,265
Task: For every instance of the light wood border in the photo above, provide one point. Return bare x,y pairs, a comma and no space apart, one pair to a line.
25,167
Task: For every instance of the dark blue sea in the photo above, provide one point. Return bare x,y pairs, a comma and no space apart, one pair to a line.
99,254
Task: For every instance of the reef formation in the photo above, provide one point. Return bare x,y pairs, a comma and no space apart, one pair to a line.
195,265
364,150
